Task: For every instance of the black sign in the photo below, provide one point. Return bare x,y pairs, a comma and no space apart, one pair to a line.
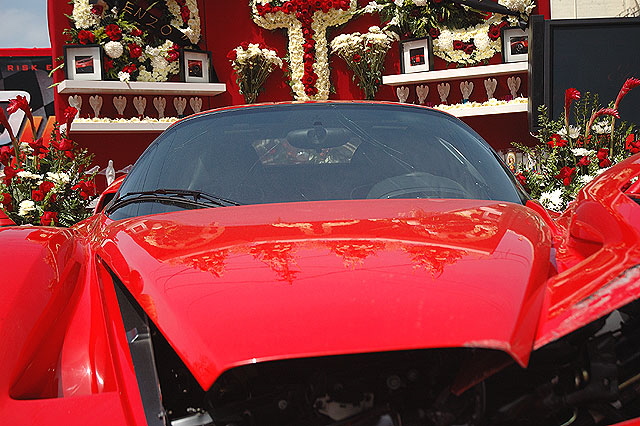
148,20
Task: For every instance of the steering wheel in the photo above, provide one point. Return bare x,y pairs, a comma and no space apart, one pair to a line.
424,185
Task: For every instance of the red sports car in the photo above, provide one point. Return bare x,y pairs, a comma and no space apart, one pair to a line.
326,264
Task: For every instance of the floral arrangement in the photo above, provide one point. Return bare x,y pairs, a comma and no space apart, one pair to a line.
306,22
131,52
568,156
364,54
460,35
44,183
253,65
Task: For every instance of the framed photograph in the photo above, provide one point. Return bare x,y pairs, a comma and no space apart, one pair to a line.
83,62
416,55
515,45
195,66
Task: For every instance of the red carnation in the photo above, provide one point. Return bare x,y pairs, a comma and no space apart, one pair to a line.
49,219
97,9
86,37
232,55
37,195
108,64
9,174
136,32
86,189
173,56
522,179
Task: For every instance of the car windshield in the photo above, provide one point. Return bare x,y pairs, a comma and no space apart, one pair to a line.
314,151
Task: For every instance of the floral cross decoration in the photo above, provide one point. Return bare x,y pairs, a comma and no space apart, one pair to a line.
306,22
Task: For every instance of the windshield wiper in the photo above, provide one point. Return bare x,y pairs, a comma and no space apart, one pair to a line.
179,197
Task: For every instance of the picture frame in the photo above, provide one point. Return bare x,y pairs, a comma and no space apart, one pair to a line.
83,62
515,45
195,66
416,55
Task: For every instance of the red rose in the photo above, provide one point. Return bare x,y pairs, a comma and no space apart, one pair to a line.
68,115
522,179
232,55
434,32
130,68
173,56
108,64
566,175
114,32
602,155
86,37
136,32
46,186
5,200
37,195
584,161
6,152
244,45
10,173
38,147
356,58
135,51
184,13
469,48
494,32
311,91
288,7
97,9
63,145
86,189
458,45
49,218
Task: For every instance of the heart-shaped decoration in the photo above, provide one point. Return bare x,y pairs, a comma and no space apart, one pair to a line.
466,88
443,91
140,103
120,103
96,104
490,86
422,91
76,102
514,85
403,93
196,104
160,104
180,104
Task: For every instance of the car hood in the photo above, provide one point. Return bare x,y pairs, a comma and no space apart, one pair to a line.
238,285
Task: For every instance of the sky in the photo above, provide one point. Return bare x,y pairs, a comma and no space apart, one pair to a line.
23,23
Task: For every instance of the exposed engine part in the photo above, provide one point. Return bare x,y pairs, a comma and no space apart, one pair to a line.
588,378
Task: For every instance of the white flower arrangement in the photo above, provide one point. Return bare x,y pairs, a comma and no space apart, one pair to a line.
193,29
364,54
305,84
253,65
82,15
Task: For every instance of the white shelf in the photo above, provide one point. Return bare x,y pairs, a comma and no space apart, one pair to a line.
455,74
487,110
115,127
141,88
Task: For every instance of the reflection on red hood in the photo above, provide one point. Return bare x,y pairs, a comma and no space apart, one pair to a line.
236,285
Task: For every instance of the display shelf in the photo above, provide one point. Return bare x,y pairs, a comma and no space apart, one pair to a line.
487,110
141,88
455,74
117,127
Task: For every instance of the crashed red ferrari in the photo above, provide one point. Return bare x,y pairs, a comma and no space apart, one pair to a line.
326,264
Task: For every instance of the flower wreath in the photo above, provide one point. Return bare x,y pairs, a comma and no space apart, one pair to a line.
131,52
306,22
459,39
